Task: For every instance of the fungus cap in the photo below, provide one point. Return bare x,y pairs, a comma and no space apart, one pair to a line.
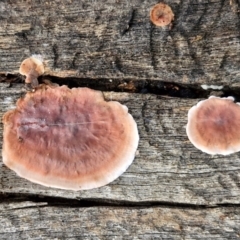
69,138
214,126
161,15
32,68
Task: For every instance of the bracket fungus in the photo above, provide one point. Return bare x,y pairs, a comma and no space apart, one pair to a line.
161,15
32,68
69,138
214,126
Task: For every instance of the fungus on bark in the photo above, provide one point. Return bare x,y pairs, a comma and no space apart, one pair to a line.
161,15
32,68
214,126
69,138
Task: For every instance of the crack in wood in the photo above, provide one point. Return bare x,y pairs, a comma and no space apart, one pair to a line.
137,86
73,63
56,56
43,201
129,24
151,45
116,64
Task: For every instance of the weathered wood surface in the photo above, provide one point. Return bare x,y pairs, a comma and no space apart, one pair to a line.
114,39
167,168
28,220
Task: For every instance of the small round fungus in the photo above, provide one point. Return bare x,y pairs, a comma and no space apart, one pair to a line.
214,126
69,138
161,15
32,68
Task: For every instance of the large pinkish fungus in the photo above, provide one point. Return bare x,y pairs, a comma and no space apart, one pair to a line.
69,138
214,126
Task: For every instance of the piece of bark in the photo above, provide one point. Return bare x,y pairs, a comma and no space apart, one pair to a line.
116,40
46,222
167,168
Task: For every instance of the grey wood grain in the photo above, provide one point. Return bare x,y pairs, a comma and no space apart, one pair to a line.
115,40
167,167
49,222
